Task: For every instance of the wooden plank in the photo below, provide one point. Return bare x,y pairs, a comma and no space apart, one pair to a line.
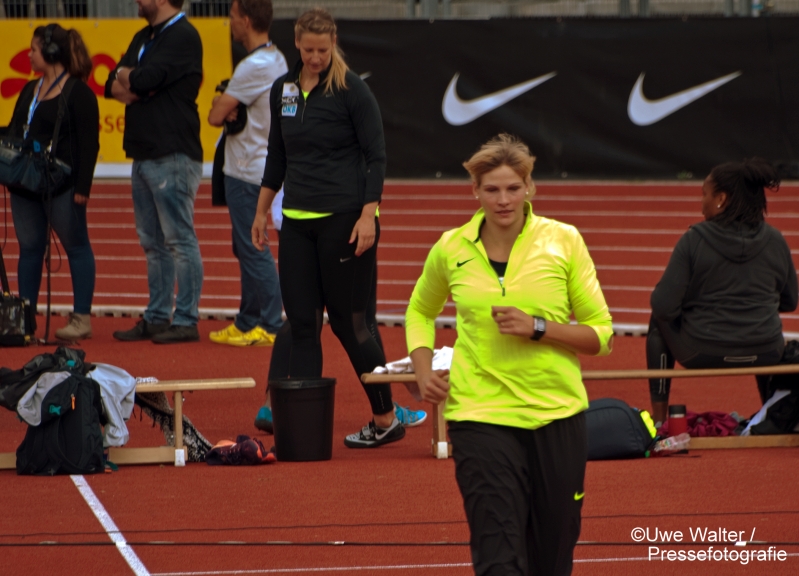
178,413
684,373
190,385
8,460
628,374
771,441
150,455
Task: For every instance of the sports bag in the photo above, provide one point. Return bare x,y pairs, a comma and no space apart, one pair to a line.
30,165
16,315
616,430
69,439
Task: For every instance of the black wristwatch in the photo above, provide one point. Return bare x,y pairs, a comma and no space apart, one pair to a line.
539,328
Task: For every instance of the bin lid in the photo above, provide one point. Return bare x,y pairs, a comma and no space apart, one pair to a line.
301,383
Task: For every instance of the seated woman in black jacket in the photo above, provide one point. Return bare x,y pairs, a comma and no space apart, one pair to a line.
718,302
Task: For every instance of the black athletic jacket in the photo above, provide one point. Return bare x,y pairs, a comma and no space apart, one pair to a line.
167,80
328,151
727,284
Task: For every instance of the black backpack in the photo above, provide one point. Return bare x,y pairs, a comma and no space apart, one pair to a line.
615,430
69,439
783,416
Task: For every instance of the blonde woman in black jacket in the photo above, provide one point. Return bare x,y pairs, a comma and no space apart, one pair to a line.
326,147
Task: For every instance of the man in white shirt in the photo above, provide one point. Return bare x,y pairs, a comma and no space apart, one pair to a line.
259,316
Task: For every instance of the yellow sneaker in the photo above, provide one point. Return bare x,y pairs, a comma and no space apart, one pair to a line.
258,337
225,336
232,336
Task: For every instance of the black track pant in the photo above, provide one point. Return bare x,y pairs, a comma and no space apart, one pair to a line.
523,494
664,344
318,271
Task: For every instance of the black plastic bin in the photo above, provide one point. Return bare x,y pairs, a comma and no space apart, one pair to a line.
302,416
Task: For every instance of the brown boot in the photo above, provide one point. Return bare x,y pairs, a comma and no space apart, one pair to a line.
78,327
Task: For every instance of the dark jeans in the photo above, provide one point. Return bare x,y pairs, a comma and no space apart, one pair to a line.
523,494
665,344
318,271
68,220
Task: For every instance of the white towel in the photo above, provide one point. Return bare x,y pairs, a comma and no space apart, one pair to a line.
442,360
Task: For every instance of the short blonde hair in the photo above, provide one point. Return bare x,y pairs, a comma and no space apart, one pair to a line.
319,21
502,150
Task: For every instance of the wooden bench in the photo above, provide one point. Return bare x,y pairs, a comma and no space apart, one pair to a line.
441,448
160,454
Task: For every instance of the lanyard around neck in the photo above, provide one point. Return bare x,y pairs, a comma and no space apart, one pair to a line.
35,102
267,45
148,43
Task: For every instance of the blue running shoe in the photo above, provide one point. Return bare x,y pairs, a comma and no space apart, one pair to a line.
263,421
407,417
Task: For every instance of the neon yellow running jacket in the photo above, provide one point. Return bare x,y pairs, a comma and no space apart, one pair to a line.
499,378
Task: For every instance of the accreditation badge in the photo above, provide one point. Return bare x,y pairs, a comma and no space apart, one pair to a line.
291,96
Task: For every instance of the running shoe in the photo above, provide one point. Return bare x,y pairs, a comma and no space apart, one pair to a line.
372,436
263,421
232,336
407,417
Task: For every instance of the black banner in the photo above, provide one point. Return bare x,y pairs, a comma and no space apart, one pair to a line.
657,98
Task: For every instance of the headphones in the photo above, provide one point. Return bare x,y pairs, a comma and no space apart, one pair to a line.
51,52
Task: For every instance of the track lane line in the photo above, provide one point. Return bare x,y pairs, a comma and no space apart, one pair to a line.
138,567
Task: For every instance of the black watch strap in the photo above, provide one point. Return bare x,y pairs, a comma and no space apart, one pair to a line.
539,328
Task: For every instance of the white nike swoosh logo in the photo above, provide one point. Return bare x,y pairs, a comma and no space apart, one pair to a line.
459,112
644,112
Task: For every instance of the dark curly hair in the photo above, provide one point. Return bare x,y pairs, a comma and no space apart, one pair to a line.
744,183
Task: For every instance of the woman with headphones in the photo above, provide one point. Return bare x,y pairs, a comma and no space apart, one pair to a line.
60,56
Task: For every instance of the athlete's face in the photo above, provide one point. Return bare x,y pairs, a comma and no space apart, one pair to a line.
502,193
38,64
316,51
238,23
712,202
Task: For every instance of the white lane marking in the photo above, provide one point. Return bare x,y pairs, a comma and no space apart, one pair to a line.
389,567
109,526
324,569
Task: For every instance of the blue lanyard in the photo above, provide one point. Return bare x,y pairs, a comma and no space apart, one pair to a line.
35,101
148,43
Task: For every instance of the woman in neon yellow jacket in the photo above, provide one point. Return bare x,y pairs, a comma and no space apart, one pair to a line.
515,397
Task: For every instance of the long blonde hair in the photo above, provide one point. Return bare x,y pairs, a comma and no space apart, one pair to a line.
319,21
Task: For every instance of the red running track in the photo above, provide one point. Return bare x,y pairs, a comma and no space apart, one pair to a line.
396,502
630,230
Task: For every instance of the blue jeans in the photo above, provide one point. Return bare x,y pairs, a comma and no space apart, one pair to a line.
164,191
261,304
69,222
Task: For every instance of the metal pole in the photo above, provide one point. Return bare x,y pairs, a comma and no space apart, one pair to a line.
745,8
410,8
447,8
624,8
729,8
643,8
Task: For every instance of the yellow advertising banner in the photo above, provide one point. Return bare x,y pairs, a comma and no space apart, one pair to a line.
107,41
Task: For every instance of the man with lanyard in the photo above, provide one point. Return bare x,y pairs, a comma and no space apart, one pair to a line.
259,316
158,79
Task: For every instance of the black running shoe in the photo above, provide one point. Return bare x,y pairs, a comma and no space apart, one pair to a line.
372,436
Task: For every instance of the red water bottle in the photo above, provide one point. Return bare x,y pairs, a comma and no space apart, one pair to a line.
677,422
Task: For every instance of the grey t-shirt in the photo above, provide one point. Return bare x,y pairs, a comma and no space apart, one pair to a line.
245,152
